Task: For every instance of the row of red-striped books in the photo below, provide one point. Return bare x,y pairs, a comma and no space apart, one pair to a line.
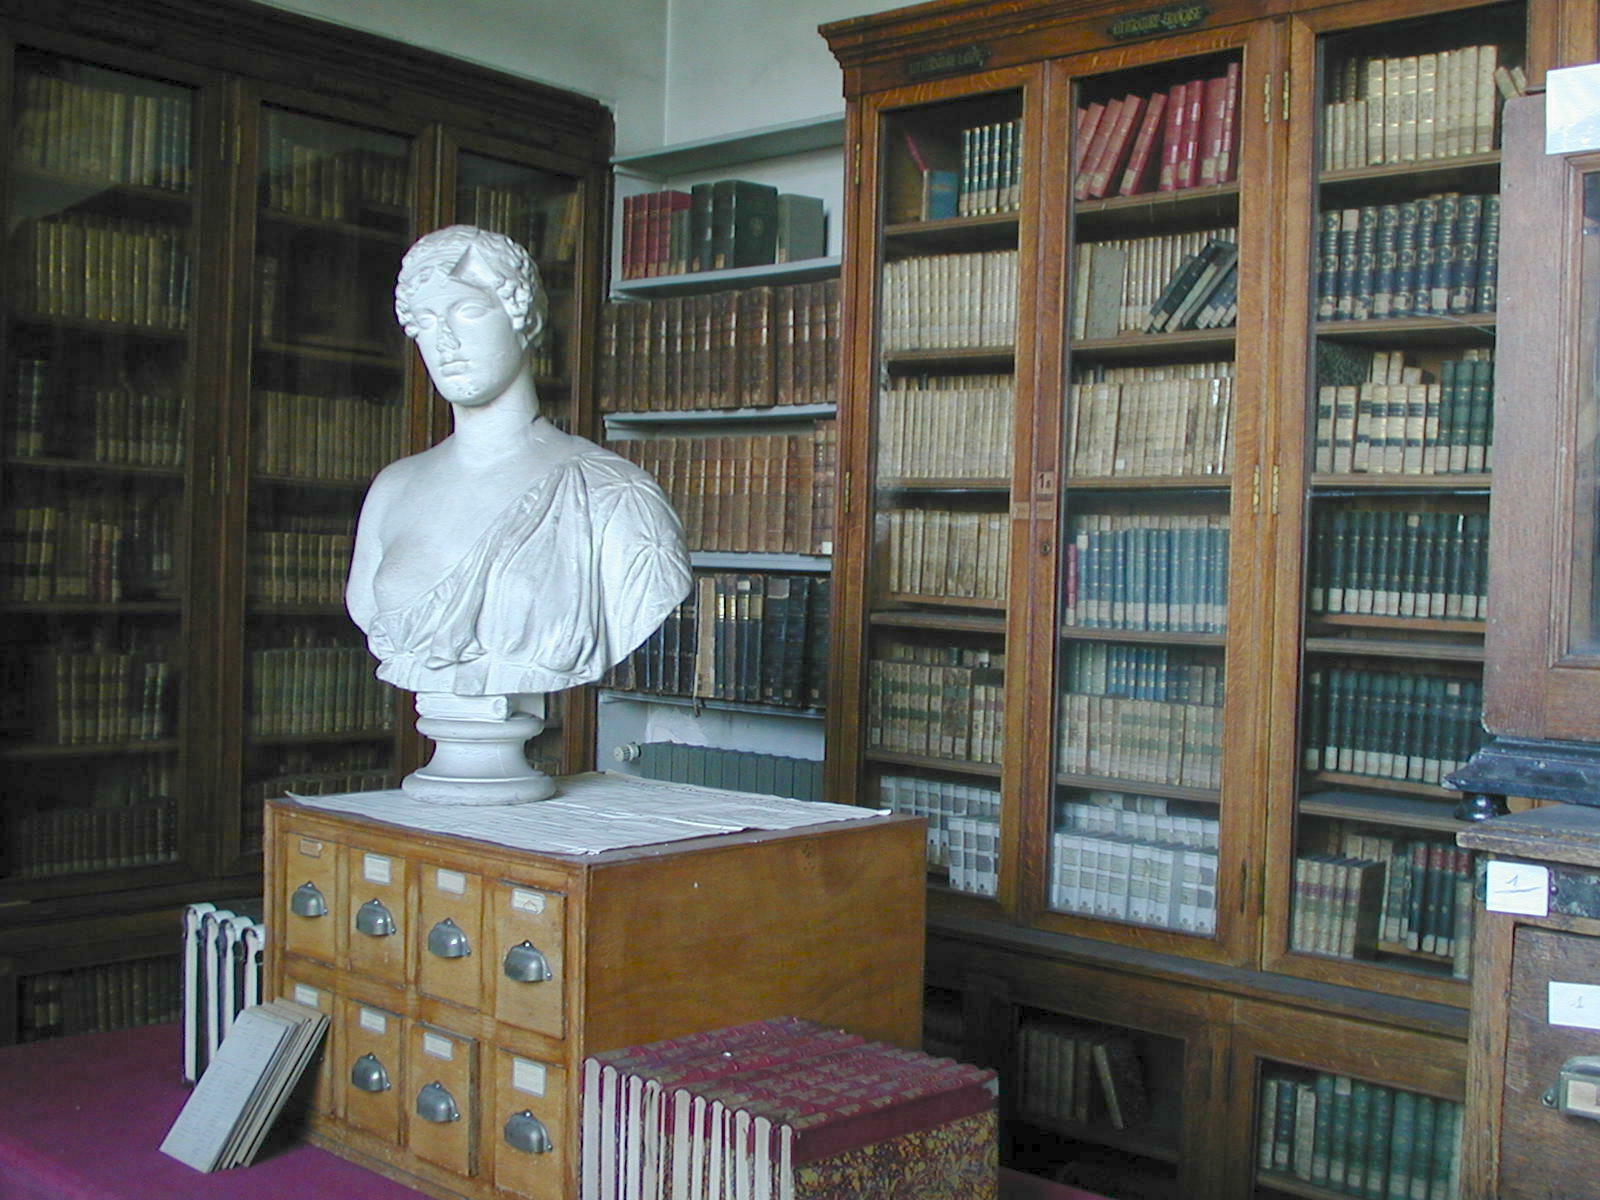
1183,137
786,1107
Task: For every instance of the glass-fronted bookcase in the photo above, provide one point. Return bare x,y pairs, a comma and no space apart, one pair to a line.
1193,751
203,371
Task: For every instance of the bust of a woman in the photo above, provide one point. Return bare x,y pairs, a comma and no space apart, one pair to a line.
511,557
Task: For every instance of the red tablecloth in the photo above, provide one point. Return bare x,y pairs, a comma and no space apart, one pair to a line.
82,1118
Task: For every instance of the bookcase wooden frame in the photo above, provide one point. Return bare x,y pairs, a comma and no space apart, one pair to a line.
946,52
236,59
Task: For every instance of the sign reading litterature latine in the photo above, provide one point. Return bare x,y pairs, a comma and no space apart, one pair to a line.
1157,21
947,62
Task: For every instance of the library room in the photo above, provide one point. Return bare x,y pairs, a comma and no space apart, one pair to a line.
969,600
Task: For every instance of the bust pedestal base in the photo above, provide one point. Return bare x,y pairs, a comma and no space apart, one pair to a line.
478,753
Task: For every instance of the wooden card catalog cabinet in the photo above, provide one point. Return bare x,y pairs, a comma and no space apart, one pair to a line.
467,981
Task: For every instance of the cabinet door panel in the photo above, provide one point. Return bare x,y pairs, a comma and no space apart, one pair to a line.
441,1098
524,1163
450,950
371,1070
529,991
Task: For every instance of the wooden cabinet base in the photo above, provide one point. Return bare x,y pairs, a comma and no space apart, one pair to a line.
507,967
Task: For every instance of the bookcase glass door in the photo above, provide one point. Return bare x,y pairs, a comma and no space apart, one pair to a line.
327,411
96,459
1149,435
542,212
1397,460
1583,603
948,309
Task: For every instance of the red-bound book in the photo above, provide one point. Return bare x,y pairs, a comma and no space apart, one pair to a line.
1094,153
1228,154
1088,120
1172,136
1138,176
1118,143
630,236
1213,100
664,204
1188,173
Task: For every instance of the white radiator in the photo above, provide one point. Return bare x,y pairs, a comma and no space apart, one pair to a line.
222,964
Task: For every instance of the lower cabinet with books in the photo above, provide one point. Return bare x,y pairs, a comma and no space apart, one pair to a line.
1132,1075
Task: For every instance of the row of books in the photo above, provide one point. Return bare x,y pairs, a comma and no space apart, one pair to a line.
1443,428
936,701
74,127
747,492
950,301
1415,107
305,179
932,553
973,846
93,267
99,998
736,348
1337,905
1118,878
719,226
1400,563
1427,894
1182,137
1074,1073
293,770
1356,1138
1160,422
785,1107
70,840
547,226
939,802
1167,742
297,567
120,424
323,437
985,178
935,428
1141,284
96,697
1171,674
1391,724
315,689
90,547
1156,571
718,767
1154,819
753,637
1433,256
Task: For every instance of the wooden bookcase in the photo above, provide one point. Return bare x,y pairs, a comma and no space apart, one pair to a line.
208,206
1188,731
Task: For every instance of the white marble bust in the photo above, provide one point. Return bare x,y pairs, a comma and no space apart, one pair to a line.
511,558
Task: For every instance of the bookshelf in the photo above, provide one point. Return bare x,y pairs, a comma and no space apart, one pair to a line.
203,371
1181,666
723,384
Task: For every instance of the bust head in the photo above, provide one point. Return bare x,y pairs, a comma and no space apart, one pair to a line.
481,258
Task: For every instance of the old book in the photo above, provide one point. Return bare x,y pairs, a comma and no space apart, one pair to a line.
802,228
1139,175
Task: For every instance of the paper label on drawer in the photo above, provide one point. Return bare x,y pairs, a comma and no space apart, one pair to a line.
453,882
438,1047
1583,1097
309,996
528,1076
376,868
373,1021
1513,887
310,848
525,901
1574,1004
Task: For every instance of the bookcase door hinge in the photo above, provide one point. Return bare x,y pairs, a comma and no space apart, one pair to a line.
1266,99
855,165
1255,489
1276,480
1286,75
847,493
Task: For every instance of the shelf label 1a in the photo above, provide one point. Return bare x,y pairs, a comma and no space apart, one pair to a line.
1574,1004
1513,887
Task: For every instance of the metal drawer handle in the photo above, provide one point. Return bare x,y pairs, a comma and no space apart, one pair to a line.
308,901
436,1104
526,963
527,1133
368,1074
375,920
448,940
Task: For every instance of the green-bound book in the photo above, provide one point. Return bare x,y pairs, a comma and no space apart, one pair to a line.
1283,1125
1305,1127
1387,259
1323,1131
1468,258
1444,253
1381,1130
744,223
1402,303
1427,227
1422,1151
1267,1121
1488,298
1480,414
1446,1150
1339,1132
1402,1144
1358,1146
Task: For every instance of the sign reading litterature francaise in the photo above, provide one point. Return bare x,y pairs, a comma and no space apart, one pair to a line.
947,62
1157,21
